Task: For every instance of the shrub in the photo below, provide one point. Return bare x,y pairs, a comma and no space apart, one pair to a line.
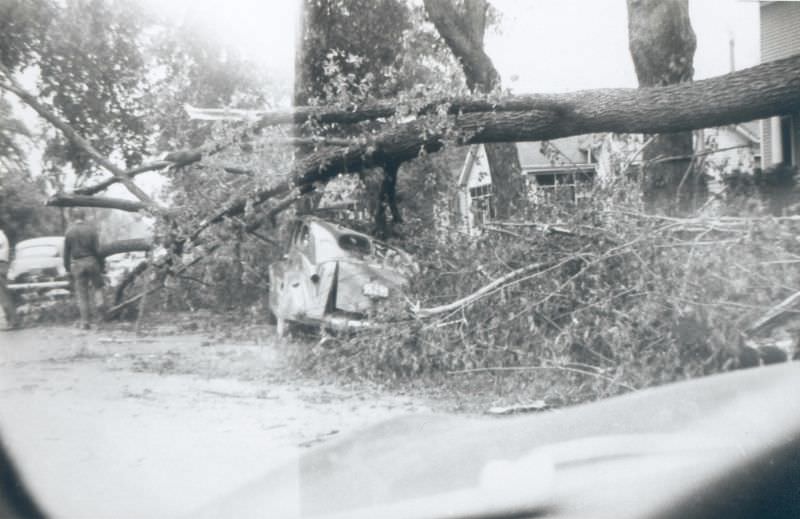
612,299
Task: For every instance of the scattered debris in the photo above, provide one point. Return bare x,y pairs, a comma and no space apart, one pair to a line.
318,439
529,407
117,340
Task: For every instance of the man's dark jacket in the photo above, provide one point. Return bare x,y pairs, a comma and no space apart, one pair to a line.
81,241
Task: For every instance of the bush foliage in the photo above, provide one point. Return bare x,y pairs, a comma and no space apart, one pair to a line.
609,300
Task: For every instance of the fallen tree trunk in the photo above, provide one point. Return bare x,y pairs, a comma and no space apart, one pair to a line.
736,97
69,200
758,92
123,246
740,93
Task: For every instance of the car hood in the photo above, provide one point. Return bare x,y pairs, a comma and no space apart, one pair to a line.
645,454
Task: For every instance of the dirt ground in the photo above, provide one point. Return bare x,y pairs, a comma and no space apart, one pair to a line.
108,423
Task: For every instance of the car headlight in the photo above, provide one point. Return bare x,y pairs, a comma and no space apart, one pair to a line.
375,290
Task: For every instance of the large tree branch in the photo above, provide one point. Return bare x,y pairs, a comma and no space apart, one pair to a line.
123,246
183,158
68,200
131,173
758,92
777,78
29,99
762,91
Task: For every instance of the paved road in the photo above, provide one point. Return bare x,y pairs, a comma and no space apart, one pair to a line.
110,425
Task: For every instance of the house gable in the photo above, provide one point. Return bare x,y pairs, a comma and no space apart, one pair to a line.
475,172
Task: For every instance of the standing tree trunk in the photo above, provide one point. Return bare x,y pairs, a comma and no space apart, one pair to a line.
662,44
462,27
359,38
311,36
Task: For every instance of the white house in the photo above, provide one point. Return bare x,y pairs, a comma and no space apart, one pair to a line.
735,147
565,170
473,203
780,38
561,169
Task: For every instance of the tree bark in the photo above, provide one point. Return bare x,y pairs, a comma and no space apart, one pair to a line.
313,33
387,197
778,79
122,246
662,44
69,200
462,28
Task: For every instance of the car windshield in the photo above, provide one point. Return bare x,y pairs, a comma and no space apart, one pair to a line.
355,243
37,251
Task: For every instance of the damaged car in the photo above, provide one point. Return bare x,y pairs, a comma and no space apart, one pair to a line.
337,278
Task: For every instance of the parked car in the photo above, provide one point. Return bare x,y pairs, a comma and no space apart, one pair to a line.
37,269
38,260
337,277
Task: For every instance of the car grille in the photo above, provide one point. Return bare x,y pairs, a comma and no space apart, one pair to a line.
36,276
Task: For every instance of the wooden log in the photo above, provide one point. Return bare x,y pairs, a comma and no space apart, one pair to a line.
69,200
123,246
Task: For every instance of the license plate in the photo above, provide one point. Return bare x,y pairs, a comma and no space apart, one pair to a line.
375,290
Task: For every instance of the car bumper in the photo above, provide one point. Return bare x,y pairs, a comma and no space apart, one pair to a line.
38,285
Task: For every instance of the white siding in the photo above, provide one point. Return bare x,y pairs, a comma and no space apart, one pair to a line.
780,38
479,175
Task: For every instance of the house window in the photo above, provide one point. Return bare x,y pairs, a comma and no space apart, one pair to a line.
562,187
555,188
482,203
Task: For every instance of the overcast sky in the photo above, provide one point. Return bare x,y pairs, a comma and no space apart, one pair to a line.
540,45
559,45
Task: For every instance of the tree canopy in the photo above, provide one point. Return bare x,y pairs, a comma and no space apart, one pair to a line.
113,81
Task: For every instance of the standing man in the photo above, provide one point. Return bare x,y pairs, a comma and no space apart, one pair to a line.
82,259
6,302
